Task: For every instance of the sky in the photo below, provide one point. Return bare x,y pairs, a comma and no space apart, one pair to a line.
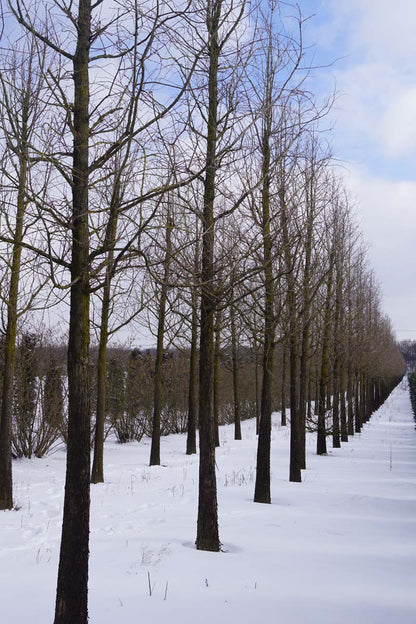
368,49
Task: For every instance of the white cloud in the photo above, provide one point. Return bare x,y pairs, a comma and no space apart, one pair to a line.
398,124
376,73
386,212
384,30
376,129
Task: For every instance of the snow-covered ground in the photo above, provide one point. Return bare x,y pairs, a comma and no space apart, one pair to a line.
340,547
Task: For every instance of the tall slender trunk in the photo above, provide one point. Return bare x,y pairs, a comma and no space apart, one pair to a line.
6,481
343,407
193,360
217,368
336,430
97,472
363,415
295,426
72,585
236,381
257,385
157,390
295,433
357,415
283,388
306,321
350,402
304,376
207,523
309,402
262,485
324,374
193,377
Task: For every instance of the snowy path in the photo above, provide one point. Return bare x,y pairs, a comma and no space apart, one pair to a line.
338,548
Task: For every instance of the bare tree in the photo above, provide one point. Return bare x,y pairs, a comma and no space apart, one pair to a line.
163,294
80,36
21,83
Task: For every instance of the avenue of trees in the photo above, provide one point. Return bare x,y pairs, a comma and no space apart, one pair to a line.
163,166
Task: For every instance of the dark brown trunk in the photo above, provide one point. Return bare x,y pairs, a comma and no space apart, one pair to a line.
236,381
207,524
306,321
262,486
357,407
6,480
283,390
336,369
350,403
362,399
303,400
257,384
157,394
343,407
97,472
295,462
193,380
72,586
295,433
217,367
324,374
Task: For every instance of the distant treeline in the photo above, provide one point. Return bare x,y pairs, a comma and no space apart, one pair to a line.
408,349
412,389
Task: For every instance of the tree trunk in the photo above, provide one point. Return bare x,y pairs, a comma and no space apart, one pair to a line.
257,385
217,367
295,474
350,403
324,375
157,395
6,481
262,485
97,472
336,431
207,524
72,586
193,378
306,321
304,383
236,381
357,407
283,403
343,407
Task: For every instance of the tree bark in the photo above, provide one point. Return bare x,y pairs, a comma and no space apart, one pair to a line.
350,403
295,466
72,585
97,473
207,524
283,388
21,140
157,395
343,406
324,375
262,485
217,367
336,430
193,375
6,482
236,381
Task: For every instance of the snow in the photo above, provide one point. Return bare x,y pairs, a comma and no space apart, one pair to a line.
338,548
